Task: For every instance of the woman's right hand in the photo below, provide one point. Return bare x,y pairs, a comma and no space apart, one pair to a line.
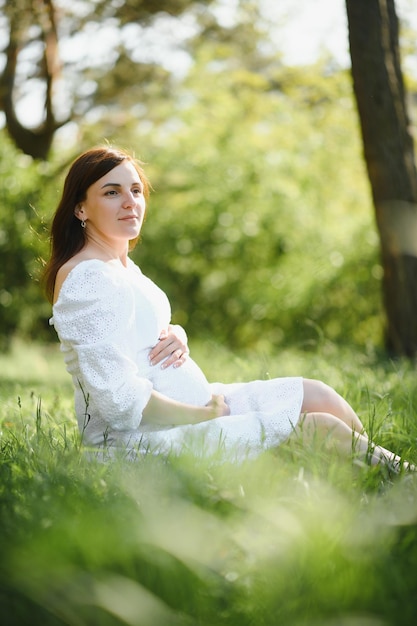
163,410
218,406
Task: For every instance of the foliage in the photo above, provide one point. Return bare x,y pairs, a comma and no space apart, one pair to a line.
294,537
248,238
37,65
255,228
22,240
260,224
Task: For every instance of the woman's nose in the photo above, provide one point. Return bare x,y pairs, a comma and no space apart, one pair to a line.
128,199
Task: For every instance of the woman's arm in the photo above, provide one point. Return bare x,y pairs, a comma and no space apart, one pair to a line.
162,410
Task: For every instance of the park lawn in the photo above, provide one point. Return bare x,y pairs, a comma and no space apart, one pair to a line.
295,537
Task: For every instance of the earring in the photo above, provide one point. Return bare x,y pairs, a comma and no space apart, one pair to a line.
82,223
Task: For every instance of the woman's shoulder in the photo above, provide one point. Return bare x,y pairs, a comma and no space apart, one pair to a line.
62,274
79,272
64,270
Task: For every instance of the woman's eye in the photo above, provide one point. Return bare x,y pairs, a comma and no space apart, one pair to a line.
111,192
137,191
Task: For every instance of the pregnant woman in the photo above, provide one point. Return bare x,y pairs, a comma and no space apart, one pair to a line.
135,385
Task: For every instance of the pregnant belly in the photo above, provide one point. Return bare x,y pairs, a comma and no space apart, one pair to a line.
186,383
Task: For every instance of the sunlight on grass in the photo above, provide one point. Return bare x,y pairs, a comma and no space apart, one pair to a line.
294,537
28,362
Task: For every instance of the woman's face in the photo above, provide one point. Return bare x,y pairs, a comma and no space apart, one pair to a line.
114,207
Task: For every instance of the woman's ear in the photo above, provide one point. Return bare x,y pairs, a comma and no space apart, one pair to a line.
79,212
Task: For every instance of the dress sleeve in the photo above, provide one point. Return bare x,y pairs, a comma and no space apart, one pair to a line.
95,319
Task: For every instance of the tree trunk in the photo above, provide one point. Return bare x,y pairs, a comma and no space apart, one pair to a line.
33,141
389,155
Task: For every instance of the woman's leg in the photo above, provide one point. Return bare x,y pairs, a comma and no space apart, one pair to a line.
337,435
320,398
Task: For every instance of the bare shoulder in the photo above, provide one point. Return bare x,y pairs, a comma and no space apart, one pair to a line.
63,272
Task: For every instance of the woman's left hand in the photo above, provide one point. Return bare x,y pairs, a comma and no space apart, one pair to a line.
171,348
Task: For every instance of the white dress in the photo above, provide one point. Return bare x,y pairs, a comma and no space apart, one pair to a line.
108,317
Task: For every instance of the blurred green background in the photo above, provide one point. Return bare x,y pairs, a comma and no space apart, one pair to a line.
260,226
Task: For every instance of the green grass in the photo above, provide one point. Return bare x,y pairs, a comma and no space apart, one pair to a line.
296,537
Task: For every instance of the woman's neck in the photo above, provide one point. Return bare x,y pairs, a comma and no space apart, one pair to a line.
97,249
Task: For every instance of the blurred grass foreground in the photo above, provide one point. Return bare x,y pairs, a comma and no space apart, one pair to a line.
295,537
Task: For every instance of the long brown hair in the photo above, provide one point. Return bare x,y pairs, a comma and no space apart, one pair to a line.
67,237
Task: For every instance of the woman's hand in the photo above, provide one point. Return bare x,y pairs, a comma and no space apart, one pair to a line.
218,406
171,348
163,410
